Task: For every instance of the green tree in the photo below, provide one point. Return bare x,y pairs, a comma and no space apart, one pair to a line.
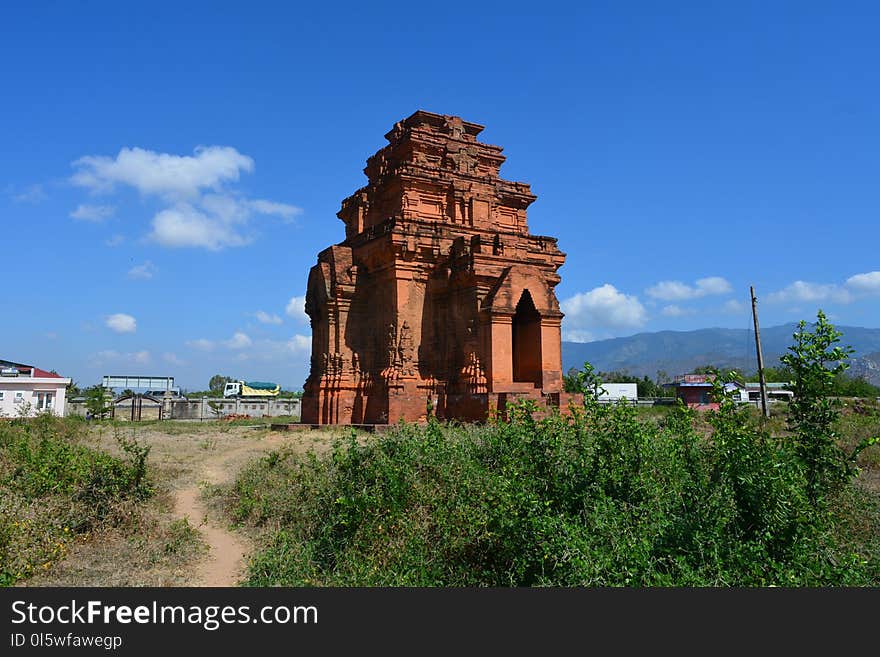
218,382
569,380
73,389
853,386
96,401
816,361
648,388
775,375
587,381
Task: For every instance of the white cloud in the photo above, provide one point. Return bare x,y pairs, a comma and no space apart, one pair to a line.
200,210
670,291
602,307
282,210
868,282
296,308
121,323
242,347
185,226
234,209
201,344
214,222
238,341
734,307
31,194
109,356
94,213
713,285
225,209
145,271
578,335
673,310
678,291
172,359
298,347
300,344
266,318
810,293
163,174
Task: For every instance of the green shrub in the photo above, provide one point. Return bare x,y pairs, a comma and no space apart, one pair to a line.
598,498
52,488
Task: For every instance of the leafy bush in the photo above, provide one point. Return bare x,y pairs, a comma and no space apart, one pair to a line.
52,488
597,498
816,362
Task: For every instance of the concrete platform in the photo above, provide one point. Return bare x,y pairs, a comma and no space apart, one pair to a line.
298,426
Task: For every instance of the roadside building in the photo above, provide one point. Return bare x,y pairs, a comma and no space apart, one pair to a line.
614,392
775,392
737,391
695,390
28,390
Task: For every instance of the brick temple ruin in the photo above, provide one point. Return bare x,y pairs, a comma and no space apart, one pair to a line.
439,300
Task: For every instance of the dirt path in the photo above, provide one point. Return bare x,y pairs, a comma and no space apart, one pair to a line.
224,563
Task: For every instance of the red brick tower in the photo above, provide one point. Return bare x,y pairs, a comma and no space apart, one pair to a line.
438,298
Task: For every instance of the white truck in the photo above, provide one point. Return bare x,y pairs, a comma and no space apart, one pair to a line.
251,389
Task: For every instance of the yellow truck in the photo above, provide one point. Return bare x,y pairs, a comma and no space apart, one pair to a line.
251,389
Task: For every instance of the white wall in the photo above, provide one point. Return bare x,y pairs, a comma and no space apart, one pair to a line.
615,391
739,394
30,390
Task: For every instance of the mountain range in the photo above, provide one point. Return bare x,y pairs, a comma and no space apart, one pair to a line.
679,352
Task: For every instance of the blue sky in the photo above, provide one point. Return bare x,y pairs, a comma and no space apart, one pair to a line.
171,170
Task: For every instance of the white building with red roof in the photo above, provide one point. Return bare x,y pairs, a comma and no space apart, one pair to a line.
28,390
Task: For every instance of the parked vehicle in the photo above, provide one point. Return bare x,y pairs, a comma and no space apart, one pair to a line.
251,389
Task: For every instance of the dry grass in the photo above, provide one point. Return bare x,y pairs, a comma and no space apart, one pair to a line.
153,549
153,545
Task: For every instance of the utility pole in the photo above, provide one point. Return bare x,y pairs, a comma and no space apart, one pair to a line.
763,383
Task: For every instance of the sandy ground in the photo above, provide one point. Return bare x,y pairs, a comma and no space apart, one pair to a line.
224,563
184,459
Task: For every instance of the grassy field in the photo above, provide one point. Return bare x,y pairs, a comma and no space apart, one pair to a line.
614,496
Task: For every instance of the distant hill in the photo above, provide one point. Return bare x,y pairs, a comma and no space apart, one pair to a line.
678,352
867,367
